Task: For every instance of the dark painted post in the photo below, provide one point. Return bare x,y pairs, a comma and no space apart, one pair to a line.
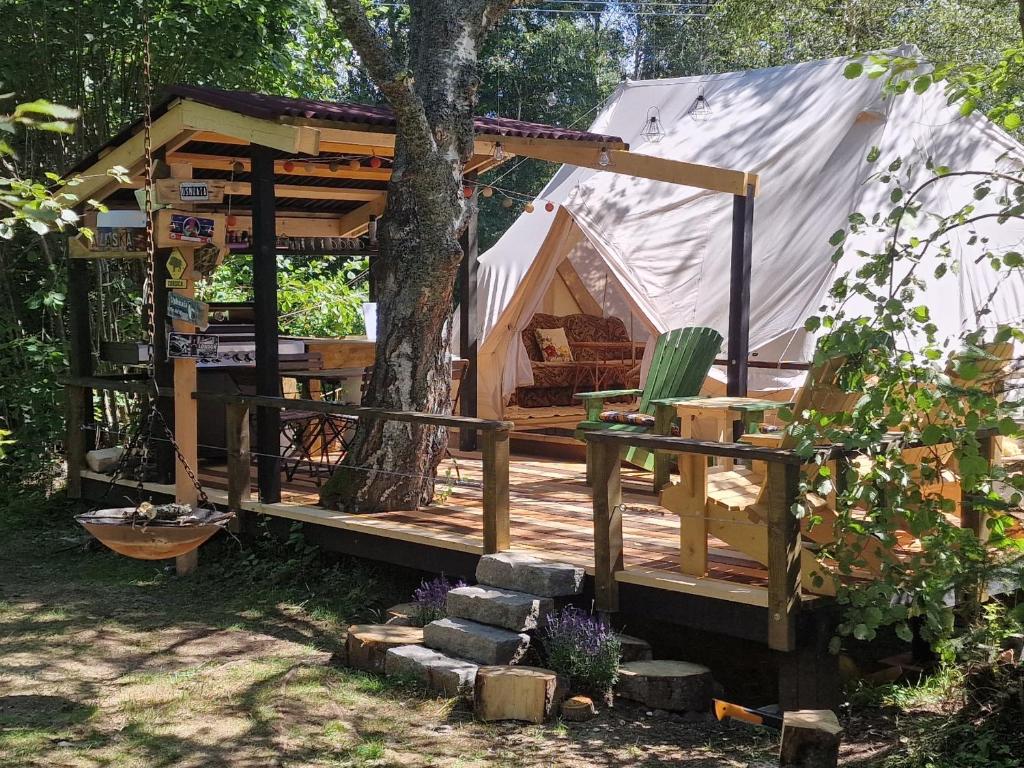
264,281
80,411
469,326
739,292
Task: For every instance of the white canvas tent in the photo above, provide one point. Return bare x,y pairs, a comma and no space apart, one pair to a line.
658,254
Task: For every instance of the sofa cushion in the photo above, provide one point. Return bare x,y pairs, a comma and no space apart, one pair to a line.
634,418
554,346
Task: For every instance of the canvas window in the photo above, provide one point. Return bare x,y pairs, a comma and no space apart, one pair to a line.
554,346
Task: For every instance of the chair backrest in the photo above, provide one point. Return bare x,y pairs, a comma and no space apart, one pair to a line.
682,359
821,393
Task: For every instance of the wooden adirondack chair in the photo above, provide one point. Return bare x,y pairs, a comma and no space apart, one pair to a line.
729,504
682,359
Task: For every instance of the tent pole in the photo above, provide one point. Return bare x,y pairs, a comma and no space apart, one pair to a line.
264,279
739,292
469,323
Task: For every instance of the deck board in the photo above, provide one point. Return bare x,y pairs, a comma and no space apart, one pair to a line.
550,514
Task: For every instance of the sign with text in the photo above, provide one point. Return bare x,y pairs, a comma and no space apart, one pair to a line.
192,346
174,191
187,310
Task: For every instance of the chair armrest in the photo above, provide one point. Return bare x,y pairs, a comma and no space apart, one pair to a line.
670,401
607,394
594,401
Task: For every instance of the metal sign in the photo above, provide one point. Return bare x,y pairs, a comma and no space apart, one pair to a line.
176,264
187,310
192,346
179,284
173,191
193,191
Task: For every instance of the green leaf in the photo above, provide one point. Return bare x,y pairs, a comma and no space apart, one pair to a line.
1011,122
873,154
837,237
932,435
903,632
853,70
922,84
46,108
966,107
861,632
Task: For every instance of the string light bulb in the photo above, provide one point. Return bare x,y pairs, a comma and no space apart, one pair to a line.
487,191
231,220
528,208
700,110
308,167
467,192
549,206
354,164
238,167
375,162
334,165
652,126
288,166
499,152
507,202
552,99
604,159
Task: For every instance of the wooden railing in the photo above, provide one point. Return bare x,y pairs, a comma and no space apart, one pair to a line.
783,528
494,447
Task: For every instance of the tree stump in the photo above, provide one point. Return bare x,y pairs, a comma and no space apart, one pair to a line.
810,739
635,649
673,685
368,644
530,694
577,709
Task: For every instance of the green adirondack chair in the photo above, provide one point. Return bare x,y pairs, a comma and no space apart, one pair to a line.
682,359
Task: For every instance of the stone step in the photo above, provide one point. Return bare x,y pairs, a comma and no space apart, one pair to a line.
498,607
520,572
477,642
443,674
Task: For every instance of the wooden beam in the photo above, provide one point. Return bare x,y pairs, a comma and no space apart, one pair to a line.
633,164
496,525
264,274
469,326
309,193
784,547
608,546
129,155
587,303
319,170
739,295
294,139
354,223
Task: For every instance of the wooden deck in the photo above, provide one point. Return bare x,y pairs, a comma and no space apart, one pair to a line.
551,516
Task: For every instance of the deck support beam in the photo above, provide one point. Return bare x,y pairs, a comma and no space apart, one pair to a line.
264,278
608,547
739,293
469,326
496,520
79,399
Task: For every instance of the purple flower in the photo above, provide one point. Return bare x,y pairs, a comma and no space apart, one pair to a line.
583,647
431,598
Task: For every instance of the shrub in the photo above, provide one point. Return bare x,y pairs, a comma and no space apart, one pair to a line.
431,599
584,648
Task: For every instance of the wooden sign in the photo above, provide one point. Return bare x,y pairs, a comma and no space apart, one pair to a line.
177,191
188,229
191,346
188,310
116,235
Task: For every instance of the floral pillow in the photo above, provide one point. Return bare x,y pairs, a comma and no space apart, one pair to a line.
553,345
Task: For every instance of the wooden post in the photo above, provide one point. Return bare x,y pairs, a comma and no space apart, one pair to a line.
739,293
469,325
970,516
497,536
264,278
608,557
239,458
79,399
783,487
664,415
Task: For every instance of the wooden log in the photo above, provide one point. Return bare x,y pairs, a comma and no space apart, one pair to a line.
810,739
367,644
578,709
662,684
403,615
497,537
529,694
608,546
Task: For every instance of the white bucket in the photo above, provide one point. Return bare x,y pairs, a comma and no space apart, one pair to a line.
370,318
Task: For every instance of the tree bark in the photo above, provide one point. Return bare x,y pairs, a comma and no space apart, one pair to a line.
392,465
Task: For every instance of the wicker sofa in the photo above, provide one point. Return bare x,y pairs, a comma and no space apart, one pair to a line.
554,383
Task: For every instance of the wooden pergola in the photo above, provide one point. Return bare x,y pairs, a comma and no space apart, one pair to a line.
287,167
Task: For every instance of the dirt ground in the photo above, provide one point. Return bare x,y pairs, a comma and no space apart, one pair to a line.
106,661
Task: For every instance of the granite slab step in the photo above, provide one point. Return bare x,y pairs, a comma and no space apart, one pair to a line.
477,642
520,572
443,674
498,607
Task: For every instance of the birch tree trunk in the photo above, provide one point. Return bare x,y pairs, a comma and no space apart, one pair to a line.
391,465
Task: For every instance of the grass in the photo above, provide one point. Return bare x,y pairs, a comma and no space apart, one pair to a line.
106,661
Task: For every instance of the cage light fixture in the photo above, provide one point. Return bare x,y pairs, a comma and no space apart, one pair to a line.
499,152
652,130
700,110
604,159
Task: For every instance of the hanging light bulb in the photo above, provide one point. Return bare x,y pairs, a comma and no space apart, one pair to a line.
652,126
552,99
334,165
528,208
507,202
354,164
308,167
499,152
604,159
467,192
549,206
288,166
700,110
238,167
487,191
375,162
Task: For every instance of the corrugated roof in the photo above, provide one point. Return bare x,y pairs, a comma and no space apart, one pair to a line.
268,107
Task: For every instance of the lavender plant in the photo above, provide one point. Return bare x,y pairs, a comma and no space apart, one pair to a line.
431,598
584,648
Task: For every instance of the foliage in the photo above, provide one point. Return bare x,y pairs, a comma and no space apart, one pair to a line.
318,298
584,648
939,397
431,599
